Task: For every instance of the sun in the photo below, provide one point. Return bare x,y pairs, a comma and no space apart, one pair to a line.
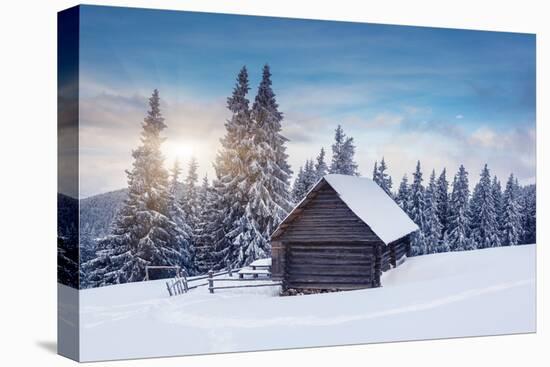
182,151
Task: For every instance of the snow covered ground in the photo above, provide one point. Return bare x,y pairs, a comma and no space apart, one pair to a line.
481,292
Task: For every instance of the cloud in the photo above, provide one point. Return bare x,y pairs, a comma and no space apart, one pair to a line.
459,117
385,119
110,128
322,98
111,124
439,145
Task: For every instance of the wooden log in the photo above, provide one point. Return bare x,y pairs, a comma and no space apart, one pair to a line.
328,255
168,287
315,236
259,279
342,286
330,270
361,279
352,261
198,285
332,252
248,286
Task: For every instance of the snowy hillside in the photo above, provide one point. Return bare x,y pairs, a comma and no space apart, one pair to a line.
97,212
480,292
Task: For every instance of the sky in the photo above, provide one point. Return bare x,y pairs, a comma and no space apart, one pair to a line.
442,96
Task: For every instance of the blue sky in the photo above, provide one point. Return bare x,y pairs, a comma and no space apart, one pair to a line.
439,95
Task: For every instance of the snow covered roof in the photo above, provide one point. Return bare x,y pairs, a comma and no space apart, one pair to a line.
369,202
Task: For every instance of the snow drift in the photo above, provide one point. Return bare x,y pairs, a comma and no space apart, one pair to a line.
481,292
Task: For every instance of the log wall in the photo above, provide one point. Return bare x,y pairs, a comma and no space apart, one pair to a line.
327,265
398,249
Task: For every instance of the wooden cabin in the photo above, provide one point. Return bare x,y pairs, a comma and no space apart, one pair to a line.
342,235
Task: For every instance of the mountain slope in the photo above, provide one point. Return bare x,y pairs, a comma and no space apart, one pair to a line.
98,212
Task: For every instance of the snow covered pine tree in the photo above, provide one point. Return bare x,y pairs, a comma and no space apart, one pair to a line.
529,217
343,154
432,226
177,214
459,219
229,192
484,225
442,199
403,195
269,174
511,217
299,187
306,178
143,233
381,177
321,168
204,251
251,193
416,207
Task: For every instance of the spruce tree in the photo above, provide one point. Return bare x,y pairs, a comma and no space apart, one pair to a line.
321,168
269,175
442,200
529,218
375,176
143,233
484,225
457,234
343,154
176,212
416,208
432,226
498,198
190,202
306,178
230,188
310,175
175,173
381,177
204,250
212,239
298,188
511,217
403,194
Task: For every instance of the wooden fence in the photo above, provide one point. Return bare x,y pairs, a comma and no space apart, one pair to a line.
212,287
180,284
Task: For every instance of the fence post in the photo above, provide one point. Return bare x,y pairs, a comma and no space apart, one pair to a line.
211,281
169,290
228,264
185,285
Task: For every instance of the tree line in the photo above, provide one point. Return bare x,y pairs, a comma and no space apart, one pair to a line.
229,220
450,217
